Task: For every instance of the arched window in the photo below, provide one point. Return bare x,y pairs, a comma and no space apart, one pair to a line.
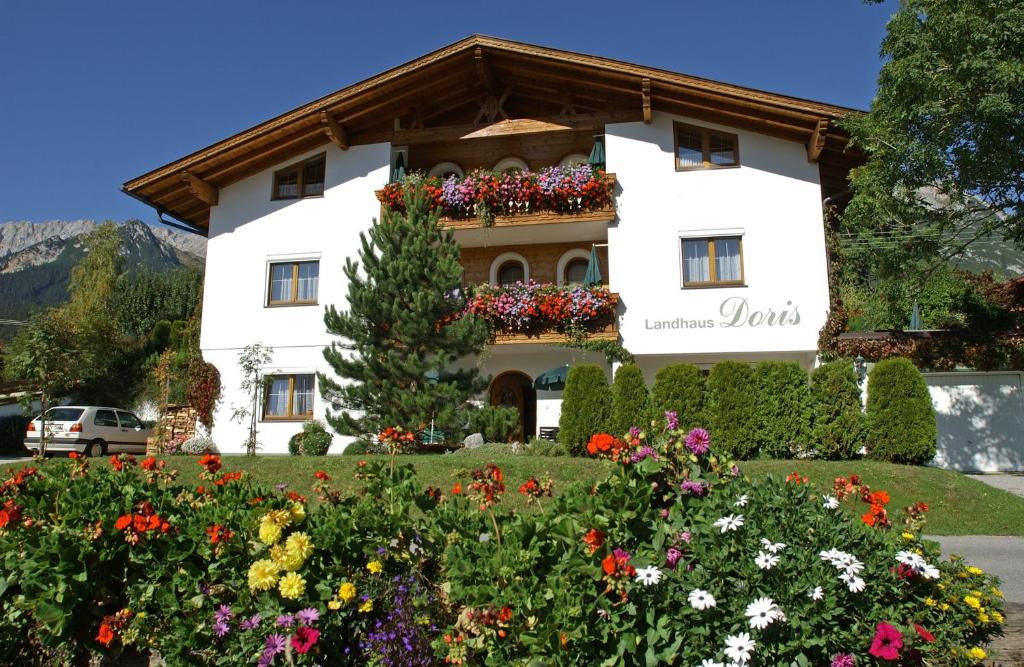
511,272
575,271
445,169
511,164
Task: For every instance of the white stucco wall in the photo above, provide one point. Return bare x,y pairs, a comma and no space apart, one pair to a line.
247,232
773,200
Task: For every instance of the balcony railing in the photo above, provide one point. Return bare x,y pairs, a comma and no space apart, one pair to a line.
545,313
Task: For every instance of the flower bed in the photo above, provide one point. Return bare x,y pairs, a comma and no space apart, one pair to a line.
484,193
532,308
674,559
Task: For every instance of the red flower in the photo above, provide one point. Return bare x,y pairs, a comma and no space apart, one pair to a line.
148,463
879,498
887,642
608,565
304,639
123,522
72,455
457,489
505,615
321,475
924,634
115,461
593,539
219,533
5,518
211,462
106,635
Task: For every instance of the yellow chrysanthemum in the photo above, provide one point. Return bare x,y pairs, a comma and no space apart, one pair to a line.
997,617
299,543
972,602
292,586
366,607
983,617
907,535
975,570
334,604
270,532
996,592
375,567
943,607
262,575
347,592
930,602
280,517
977,653
287,559
297,512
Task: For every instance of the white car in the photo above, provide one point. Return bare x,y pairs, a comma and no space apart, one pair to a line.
90,430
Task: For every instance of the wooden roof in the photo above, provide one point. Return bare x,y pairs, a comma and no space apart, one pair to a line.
479,82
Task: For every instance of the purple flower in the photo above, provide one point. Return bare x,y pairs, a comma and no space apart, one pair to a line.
672,557
275,644
672,420
634,432
685,536
643,453
223,614
285,621
622,555
308,616
221,628
843,660
698,441
693,488
250,623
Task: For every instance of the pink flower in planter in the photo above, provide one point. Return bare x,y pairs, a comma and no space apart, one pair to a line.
304,639
887,642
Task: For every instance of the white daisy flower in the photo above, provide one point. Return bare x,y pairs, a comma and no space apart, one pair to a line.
701,599
648,575
766,561
816,593
852,581
708,662
853,567
910,558
930,572
739,647
762,612
731,522
772,547
742,501
831,502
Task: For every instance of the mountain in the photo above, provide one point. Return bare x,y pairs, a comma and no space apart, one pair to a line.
36,259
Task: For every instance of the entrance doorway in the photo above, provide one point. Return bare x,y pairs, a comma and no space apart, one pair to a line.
514,389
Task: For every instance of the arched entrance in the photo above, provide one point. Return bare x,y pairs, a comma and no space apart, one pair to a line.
513,389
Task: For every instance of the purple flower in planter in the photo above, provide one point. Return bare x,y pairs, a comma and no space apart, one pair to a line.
308,616
223,614
622,555
221,628
634,432
672,557
285,621
672,420
693,488
250,623
843,660
643,453
698,441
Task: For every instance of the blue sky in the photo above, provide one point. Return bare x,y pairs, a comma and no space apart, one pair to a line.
92,94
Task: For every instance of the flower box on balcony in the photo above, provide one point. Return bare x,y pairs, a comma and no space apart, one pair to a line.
536,312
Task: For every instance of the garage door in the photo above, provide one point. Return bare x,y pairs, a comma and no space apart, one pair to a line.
981,421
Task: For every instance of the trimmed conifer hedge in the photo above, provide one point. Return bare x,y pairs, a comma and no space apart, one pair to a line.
679,388
901,419
586,407
732,409
840,427
784,412
631,402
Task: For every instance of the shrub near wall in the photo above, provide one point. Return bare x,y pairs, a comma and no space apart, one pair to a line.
631,403
783,408
679,388
840,427
901,419
732,408
586,406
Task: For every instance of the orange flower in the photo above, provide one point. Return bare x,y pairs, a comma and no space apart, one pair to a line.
123,522
106,635
457,489
879,498
5,518
115,461
211,462
321,475
608,565
148,463
868,518
505,615
73,455
594,539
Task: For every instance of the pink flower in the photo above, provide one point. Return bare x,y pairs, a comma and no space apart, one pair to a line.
304,639
843,660
887,642
698,441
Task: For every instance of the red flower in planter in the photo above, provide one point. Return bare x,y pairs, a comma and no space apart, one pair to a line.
105,635
304,639
887,642
924,634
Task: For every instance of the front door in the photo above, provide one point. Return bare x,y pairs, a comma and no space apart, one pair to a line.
515,390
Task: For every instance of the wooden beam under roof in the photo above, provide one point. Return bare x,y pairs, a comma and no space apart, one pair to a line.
483,70
513,126
645,86
816,143
335,131
200,189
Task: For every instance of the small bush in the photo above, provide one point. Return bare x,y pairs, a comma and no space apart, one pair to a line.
631,403
783,408
840,427
731,409
197,445
901,419
586,406
12,434
312,440
679,388
495,423
356,448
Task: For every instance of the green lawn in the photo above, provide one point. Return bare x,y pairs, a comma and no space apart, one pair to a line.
959,505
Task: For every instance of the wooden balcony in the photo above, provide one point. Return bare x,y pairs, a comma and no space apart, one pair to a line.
604,330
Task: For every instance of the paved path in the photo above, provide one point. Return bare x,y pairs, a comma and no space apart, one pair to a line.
1012,482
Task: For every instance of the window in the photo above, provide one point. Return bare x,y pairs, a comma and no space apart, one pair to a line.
511,272
128,420
289,397
293,283
702,148
305,179
713,261
105,418
576,271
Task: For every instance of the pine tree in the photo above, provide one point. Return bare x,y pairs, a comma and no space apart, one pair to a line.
402,332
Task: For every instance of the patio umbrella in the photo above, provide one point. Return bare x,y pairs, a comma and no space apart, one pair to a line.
593,275
596,159
915,318
552,380
399,172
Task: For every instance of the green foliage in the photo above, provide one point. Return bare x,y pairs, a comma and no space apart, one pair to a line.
901,419
12,434
357,447
586,406
840,427
732,408
631,402
147,297
495,423
402,326
613,350
944,136
679,388
784,411
312,440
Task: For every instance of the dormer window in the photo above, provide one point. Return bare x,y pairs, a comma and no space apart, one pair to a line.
704,148
298,181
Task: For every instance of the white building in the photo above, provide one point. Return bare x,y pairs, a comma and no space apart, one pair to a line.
731,178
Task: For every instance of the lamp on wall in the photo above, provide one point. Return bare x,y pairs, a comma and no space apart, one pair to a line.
860,365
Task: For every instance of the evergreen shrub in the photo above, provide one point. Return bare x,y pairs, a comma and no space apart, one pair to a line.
783,408
586,406
901,419
840,427
631,402
731,409
312,440
679,388
495,423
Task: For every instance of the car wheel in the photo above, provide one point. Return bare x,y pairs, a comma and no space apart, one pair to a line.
95,449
